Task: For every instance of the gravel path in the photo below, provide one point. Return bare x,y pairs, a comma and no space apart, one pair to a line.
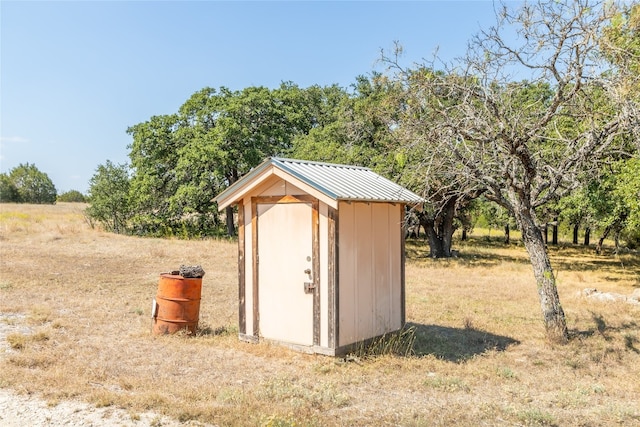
19,410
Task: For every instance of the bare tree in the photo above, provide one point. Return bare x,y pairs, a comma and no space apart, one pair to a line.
526,113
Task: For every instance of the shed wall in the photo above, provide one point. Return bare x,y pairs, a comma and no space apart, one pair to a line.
370,270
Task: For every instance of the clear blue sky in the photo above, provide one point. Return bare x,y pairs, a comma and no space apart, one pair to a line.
75,75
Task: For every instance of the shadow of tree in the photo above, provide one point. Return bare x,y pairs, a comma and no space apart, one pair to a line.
565,257
605,330
456,344
470,255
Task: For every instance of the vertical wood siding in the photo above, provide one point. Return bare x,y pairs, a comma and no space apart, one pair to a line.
370,276
242,316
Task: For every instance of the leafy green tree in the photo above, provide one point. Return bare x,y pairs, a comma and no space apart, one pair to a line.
72,196
471,121
607,200
627,190
109,197
154,155
32,185
325,140
8,191
181,161
350,128
497,217
614,202
575,210
361,128
621,43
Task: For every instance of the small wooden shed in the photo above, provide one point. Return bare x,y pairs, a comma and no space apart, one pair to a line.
320,254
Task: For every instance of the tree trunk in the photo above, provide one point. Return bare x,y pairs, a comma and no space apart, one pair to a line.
576,229
605,234
464,234
231,228
437,243
440,230
232,177
447,229
552,313
507,238
587,235
554,232
615,227
545,232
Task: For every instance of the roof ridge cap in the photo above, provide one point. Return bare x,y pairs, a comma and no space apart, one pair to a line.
317,163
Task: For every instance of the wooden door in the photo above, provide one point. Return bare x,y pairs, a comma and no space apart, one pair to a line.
285,264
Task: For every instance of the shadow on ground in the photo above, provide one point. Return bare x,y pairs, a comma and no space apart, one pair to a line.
565,257
470,255
626,331
456,344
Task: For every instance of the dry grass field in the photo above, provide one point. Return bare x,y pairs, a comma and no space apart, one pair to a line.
79,302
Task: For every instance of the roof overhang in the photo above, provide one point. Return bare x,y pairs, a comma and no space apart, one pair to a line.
313,179
256,177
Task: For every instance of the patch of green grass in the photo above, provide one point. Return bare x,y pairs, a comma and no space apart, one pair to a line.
319,396
278,421
536,417
506,372
234,396
575,363
207,330
398,343
446,383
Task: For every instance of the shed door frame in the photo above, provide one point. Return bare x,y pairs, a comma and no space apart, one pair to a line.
315,231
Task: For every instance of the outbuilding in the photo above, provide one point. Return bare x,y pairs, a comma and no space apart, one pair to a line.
320,254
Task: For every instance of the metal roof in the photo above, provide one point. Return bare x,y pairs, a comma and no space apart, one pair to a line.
338,182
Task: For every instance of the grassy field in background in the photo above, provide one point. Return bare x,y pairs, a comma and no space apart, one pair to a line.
80,302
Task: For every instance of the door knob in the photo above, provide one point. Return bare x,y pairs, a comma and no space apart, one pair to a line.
307,271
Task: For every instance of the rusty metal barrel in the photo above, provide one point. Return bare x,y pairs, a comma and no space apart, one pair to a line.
177,304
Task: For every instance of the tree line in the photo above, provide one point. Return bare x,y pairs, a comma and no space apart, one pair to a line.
543,124
27,184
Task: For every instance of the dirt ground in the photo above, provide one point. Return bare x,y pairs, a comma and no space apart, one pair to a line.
76,347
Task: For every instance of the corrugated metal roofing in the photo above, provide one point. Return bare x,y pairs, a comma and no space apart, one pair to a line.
338,182
344,182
